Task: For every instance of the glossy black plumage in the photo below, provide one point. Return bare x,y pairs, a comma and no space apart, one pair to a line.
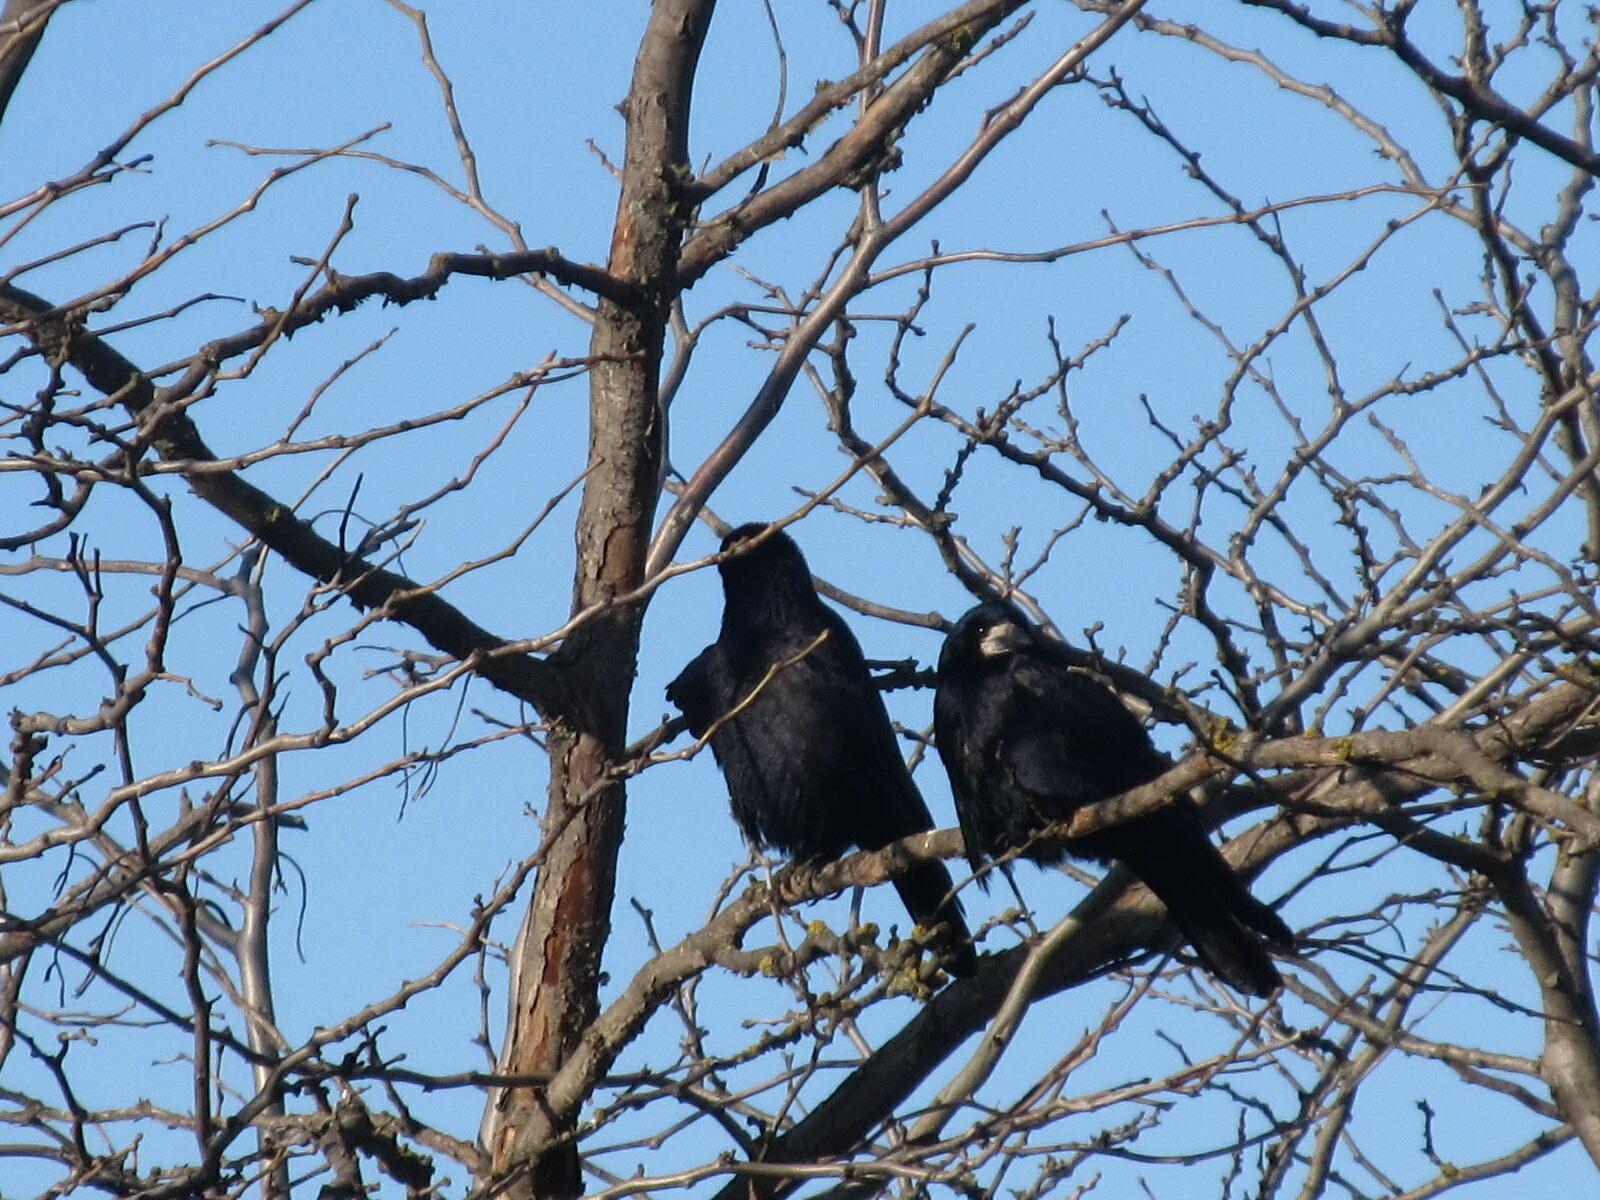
1027,740
811,763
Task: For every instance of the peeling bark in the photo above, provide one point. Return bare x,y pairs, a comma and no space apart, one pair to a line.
558,956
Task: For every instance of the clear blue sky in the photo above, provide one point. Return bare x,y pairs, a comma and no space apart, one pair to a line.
381,875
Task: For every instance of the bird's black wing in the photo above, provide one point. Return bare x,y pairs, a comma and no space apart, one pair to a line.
886,803
811,751
1028,743
1074,742
971,713
1069,740
955,739
701,689
812,764
801,734
808,737
769,733
866,734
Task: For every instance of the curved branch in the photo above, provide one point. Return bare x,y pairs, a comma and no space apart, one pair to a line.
866,140
177,439
840,1122
1477,99
877,127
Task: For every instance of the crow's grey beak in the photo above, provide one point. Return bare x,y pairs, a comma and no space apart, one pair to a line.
1005,638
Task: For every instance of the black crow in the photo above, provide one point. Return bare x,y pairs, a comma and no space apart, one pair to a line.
800,732
1028,740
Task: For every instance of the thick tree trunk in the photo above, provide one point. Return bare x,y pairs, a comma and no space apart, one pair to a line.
1554,937
22,24
557,968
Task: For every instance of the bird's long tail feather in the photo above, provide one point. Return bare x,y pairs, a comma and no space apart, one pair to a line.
1227,926
1225,945
929,896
